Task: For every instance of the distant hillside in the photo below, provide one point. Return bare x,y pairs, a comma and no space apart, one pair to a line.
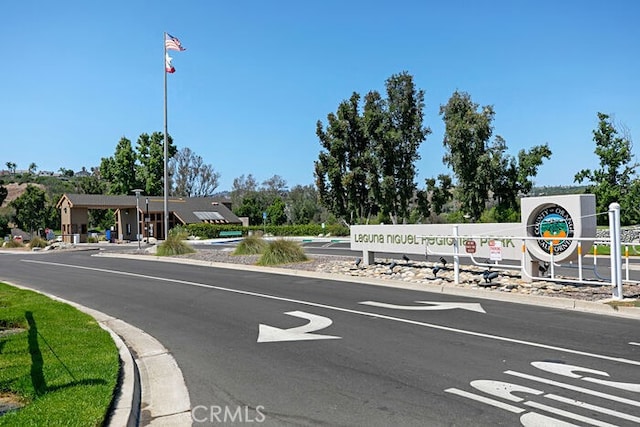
15,190
558,190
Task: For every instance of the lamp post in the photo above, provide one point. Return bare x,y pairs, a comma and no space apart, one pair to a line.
147,220
138,191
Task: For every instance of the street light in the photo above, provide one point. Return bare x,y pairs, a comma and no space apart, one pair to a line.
146,220
138,191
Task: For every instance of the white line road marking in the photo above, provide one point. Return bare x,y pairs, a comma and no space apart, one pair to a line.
434,306
595,408
345,310
533,419
568,414
486,400
634,343
268,333
574,388
567,371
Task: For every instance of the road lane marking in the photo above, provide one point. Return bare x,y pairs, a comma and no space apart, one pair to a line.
634,343
574,388
488,401
567,371
346,310
591,407
433,307
568,414
533,419
268,333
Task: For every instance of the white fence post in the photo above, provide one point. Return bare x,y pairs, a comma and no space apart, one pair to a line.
616,259
456,258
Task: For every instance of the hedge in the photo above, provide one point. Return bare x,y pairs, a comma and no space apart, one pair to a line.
212,231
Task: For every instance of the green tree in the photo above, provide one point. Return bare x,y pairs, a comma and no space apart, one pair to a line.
4,225
252,207
3,194
339,171
511,178
467,133
12,167
150,167
614,181
242,187
120,169
276,212
397,149
303,205
31,212
32,168
66,172
435,196
368,160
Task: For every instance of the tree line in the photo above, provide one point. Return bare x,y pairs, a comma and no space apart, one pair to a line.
366,169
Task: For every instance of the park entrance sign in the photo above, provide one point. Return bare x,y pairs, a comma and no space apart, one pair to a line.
553,223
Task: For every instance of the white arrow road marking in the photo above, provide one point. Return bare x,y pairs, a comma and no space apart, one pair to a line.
503,389
301,333
567,371
434,306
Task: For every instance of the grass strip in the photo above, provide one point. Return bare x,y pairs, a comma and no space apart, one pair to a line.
57,362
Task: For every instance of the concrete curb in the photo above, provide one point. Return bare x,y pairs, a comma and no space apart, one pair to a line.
552,302
151,389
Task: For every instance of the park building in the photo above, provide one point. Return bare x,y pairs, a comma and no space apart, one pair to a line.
74,214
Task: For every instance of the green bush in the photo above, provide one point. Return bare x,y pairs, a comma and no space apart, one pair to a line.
282,252
174,244
38,242
250,245
13,243
212,231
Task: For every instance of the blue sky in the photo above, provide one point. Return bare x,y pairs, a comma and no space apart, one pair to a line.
257,75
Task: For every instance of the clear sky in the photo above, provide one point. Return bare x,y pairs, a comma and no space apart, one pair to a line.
76,76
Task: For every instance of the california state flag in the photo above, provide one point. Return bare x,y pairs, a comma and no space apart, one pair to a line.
167,64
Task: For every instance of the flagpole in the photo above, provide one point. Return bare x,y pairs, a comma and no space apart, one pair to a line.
166,143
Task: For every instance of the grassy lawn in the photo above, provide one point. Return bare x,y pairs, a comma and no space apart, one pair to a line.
634,250
58,362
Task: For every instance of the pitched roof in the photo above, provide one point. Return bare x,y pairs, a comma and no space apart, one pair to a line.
189,210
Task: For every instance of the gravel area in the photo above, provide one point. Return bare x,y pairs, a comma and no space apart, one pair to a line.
422,273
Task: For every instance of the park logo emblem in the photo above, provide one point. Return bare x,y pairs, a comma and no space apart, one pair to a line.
555,226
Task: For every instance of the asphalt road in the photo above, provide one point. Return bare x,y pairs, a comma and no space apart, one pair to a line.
286,350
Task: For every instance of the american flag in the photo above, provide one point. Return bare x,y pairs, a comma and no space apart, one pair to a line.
172,43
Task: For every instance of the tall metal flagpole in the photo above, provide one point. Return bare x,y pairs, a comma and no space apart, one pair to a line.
166,143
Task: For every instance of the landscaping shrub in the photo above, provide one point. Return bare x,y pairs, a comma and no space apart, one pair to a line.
212,231
282,252
12,243
250,245
38,242
174,243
